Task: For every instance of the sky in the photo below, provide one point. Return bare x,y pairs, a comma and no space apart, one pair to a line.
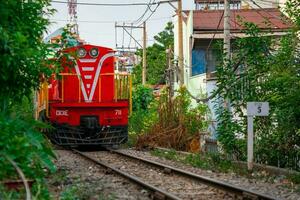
97,23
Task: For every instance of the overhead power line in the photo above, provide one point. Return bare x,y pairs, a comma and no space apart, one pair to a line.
271,2
117,4
148,7
152,12
270,14
210,42
104,22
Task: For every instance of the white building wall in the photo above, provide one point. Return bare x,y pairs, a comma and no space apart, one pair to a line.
187,29
197,85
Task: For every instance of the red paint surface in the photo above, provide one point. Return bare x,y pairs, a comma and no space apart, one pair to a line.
101,103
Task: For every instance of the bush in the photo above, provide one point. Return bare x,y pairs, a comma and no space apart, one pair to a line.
173,122
21,141
263,69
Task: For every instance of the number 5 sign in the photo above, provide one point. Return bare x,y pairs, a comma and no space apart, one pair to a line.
254,109
257,108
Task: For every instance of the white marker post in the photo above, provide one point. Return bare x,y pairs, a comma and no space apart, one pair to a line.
254,109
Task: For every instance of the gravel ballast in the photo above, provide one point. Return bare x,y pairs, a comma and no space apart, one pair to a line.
180,186
276,189
93,182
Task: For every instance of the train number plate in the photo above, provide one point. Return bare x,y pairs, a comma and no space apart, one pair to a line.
62,113
118,112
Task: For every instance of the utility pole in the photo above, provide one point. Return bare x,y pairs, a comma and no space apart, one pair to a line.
129,49
227,29
180,43
170,72
72,5
144,54
227,50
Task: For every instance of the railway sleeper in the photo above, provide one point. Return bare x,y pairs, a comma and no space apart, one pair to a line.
159,196
249,196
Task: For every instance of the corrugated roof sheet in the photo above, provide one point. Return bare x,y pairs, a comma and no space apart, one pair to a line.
205,20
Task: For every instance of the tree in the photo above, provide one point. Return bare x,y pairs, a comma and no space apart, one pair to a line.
156,57
23,52
263,69
23,59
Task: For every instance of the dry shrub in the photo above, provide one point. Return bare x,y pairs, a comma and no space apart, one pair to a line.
178,125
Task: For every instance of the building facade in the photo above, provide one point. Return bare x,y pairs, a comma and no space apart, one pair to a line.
202,27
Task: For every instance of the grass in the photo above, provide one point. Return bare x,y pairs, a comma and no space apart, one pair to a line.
84,191
76,189
217,163
295,178
213,162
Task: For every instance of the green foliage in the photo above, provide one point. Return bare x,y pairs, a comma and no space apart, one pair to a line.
23,59
143,114
172,122
21,49
83,191
194,119
214,162
170,154
292,8
295,178
156,57
71,193
262,69
142,97
21,141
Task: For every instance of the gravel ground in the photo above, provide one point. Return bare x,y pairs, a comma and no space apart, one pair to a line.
91,181
277,189
180,186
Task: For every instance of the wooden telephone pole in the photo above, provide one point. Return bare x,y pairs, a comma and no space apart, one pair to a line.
142,46
226,47
180,44
227,29
144,76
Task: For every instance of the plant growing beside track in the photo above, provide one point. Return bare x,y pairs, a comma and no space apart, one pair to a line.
218,163
143,112
24,60
156,57
213,162
263,69
174,122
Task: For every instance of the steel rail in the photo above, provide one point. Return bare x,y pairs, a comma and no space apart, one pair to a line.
158,193
248,194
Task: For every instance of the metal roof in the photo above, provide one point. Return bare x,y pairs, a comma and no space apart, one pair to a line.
268,18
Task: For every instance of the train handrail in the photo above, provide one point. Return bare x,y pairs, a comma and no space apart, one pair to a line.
128,85
62,85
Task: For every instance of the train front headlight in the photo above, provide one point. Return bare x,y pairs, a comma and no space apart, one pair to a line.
81,52
94,52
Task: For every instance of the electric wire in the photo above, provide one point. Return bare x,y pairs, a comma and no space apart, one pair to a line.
271,2
107,4
270,14
150,14
123,37
105,22
145,12
130,37
210,42
150,6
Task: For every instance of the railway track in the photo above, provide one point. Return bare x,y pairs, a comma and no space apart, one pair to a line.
167,182
157,192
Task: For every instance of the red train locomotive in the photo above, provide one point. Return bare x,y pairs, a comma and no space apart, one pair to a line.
88,104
